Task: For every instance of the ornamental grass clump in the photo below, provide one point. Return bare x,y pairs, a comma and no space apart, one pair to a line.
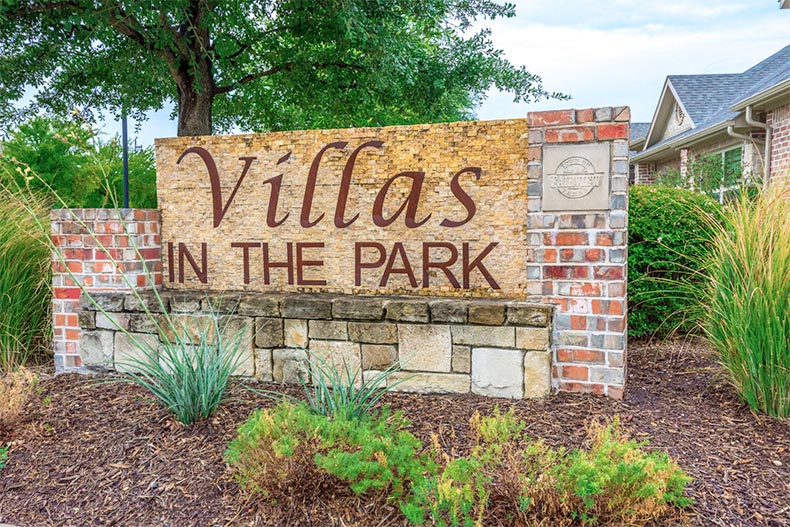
747,299
25,293
189,371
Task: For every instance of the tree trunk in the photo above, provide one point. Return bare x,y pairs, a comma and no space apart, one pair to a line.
194,110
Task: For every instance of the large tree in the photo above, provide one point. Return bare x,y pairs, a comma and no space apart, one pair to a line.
255,65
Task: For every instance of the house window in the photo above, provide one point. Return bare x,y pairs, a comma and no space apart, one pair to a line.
719,175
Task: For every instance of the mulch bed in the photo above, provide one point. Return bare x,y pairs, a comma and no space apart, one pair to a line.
100,454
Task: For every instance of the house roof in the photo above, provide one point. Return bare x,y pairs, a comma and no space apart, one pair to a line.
639,131
714,101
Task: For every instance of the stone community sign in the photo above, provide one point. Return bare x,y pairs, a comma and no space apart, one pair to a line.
432,210
486,256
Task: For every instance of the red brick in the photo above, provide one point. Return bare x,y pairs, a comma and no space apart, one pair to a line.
550,118
73,334
574,134
608,272
604,239
585,116
564,355
578,322
571,238
592,356
612,131
573,387
597,389
564,271
607,307
575,372
534,153
593,255
72,293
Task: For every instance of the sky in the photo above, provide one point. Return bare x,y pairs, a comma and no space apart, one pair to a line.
610,53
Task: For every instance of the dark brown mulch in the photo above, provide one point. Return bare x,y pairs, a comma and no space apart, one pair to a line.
101,455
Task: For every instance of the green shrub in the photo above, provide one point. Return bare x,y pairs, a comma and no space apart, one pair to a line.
3,457
25,293
747,299
669,233
616,482
288,452
72,161
612,482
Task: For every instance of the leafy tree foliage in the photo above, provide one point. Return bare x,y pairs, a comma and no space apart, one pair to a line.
259,65
70,159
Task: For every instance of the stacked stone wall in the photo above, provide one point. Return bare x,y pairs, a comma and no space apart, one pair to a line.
488,347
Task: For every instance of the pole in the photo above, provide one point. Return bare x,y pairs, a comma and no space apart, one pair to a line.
125,140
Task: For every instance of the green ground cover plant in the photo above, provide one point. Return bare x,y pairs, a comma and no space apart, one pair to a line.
25,293
670,232
289,452
747,299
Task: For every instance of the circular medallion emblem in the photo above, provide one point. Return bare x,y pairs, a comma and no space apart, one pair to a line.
575,177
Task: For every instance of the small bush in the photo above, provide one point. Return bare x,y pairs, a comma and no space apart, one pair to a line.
290,453
616,482
17,388
747,299
612,482
3,457
25,294
669,235
189,372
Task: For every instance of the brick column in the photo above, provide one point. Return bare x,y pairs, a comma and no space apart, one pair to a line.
98,250
578,256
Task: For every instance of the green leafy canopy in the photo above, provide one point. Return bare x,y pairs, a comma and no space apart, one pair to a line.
258,66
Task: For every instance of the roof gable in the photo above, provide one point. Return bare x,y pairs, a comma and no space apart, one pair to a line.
671,117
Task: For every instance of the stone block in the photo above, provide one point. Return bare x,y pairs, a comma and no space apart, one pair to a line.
269,332
358,308
532,338
185,303
340,356
462,359
223,304
153,302
429,382
528,315
484,336
87,319
449,311
487,313
96,349
373,333
112,321
290,366
295,333
498,372
263,364
537,374
378,356
408,310
425,347
135,348
144,322
306,307
259,306
328,329
107,301
245,367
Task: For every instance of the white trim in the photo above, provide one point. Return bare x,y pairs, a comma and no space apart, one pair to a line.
682,142
662,102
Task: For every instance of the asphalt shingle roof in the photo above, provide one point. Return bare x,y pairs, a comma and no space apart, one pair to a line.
639,131
708,98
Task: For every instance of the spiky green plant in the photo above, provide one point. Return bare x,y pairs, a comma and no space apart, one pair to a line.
747,299
25,293
189,371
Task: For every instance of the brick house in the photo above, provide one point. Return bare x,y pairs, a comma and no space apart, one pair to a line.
738,122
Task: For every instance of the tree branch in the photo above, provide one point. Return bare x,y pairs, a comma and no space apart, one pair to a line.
287,67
